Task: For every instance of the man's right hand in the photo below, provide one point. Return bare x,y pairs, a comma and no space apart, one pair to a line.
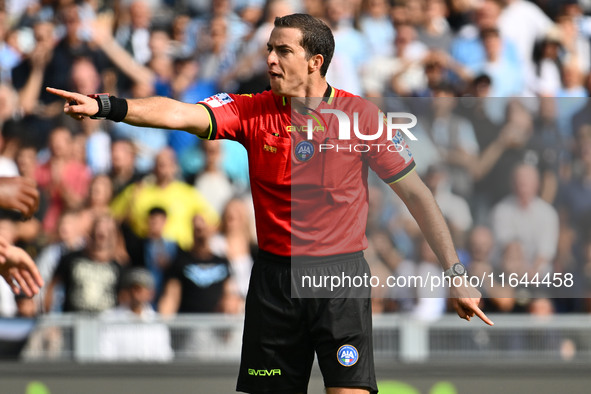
77,105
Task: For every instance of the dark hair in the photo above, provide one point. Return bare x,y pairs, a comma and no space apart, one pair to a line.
482,78
317,38
157,211
489,32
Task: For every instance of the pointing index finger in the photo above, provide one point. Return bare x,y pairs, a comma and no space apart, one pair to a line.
482,316
63,93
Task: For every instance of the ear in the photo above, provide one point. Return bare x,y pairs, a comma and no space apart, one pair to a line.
314,63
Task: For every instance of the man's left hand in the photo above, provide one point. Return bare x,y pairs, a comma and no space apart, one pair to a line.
465,300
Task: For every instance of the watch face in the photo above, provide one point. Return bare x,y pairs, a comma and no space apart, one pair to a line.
459,269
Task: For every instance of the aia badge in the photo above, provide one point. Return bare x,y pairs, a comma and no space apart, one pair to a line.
347,355
304,150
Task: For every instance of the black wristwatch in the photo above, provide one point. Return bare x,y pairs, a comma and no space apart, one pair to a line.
104,104
457,269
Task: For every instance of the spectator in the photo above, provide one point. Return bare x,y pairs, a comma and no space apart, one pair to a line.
64,180
351,48
574,196
180,200
236,242
161,62
435,31
199,281
524,23
503,140
153,252
217,54
455,209
467,47
525,218
250,69
9,55
403,71
73,45
547,148
569,99
123,172
85,78
507,80
70,238
547,64
90,277
134,36
97,146
212,182
377,27
130,70
131,330
197,34
577,48
454,138
438,68
100,194
32,73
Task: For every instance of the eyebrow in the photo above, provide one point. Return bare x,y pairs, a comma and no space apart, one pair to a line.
281,46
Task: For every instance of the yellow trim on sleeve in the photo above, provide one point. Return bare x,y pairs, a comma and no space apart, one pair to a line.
210,123
404,176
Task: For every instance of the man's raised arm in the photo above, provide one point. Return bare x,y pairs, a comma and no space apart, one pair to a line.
158,112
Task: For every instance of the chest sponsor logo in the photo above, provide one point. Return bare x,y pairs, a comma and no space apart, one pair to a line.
304,150
304,128
347,355
218,100
205,275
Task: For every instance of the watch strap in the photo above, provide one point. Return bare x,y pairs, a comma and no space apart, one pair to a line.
451,272
104,104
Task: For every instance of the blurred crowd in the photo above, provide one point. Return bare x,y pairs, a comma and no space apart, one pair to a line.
143,221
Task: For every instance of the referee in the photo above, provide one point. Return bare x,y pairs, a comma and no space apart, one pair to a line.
283,332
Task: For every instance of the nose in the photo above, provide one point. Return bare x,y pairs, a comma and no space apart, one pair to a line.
271,58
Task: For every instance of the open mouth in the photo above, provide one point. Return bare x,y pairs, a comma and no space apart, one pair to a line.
274,74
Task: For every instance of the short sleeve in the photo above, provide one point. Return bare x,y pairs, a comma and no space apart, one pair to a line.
391,159
224,116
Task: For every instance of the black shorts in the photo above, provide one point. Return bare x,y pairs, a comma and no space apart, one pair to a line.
281,333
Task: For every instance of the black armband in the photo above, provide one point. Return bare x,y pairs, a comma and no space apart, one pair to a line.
110,107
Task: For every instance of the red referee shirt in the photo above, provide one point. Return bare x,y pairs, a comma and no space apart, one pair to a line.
309,199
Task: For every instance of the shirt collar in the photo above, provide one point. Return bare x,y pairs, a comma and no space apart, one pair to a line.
329,94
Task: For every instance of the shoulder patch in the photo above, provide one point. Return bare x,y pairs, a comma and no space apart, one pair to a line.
218,100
